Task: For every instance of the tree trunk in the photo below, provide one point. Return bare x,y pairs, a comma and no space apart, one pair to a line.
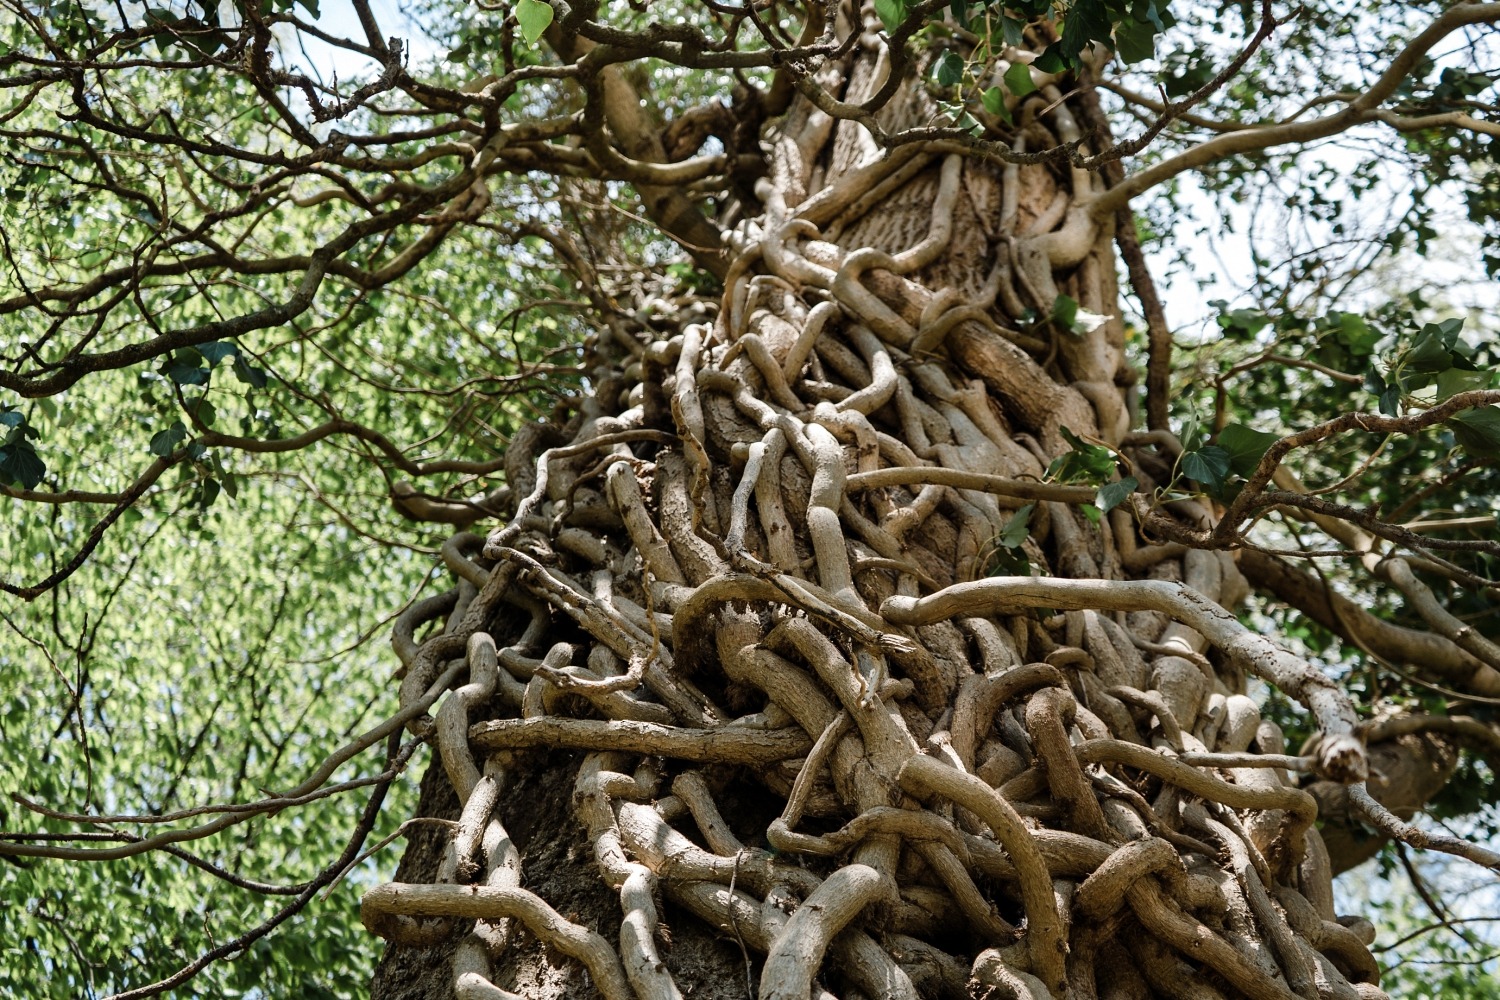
738,720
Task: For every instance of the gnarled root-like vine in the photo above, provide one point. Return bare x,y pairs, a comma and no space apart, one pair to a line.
1007,779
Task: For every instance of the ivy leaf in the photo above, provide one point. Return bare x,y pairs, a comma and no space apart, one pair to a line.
1191,432
19,463
1135,40
994,102
1388,395
1052,60
203,410
1245,447
533,16
891,13
1241,324
1018,79
1477,431
1086,21
1457,380
1065,312
1086,463
1450,329
1017,528
1111,495
1209,465
185,368
1011,29
163,442
249,374
1429,354
949,71
217,351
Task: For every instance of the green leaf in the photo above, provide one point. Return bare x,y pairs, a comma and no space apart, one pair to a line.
1052,60
949,71
1457,380
217,351
534,16
1209,465
185,368
1242,323
1012,28
1450,329
1245,447
1064,312
249,374
1433,351
1086,463
1018,79
208,492
1085,21
19,463
1191,433
994,102
163,442
891,13
1111,495
1477,431
1017,528
1135,40
203,410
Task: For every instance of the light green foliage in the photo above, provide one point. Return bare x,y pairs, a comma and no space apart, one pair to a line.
231,628
534,16
145,685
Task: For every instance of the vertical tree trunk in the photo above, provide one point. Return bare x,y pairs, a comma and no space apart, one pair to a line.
738,721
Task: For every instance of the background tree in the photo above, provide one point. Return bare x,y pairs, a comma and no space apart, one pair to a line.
855,620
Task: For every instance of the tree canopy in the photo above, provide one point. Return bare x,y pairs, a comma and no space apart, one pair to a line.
768,407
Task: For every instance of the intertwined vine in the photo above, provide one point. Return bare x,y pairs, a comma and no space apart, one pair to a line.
1026,785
